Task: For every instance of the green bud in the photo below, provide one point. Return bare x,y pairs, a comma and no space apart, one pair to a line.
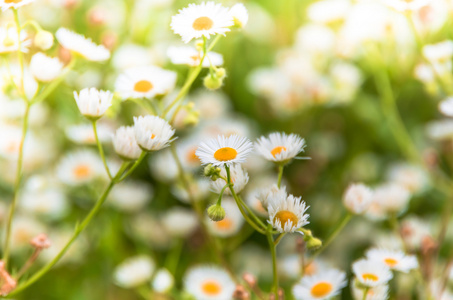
212,171
216,212
220,73
312,242
212,82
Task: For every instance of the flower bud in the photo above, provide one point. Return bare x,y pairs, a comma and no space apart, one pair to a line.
44,40
212,82
212,171
313,243
220,73
216,212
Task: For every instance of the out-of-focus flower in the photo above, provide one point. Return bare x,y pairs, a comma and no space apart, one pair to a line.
391,197
93,103
45,68
79,44
5,4
224,151
371,273
271,192
209,283
327,11
163,281
145,82
163,166
41,241
231,224
287,213
152,133
324,285
440,130
380,292
412,177
80,167
439,55
43,40
446,107
125,144
357,198
414,231
203,20
131,55
130,196
239,178
23,230
280,147
134,271
9,41
240,15
190,56
403,5
180,222
84,134
394,259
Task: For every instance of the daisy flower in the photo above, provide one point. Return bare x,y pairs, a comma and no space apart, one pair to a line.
80,167
232,222
163,281
81,45
287,213
446,107
240,15
187,55
377,293
5,4
145,82
371,273
270,192
180,222
224,151
209,283
134,271
125,144
394,259
280,147
323,285
357,198
45,68
152,133
239,178
9,40
93,103
203,20
84,134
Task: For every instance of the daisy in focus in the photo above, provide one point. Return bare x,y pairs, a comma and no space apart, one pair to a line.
394,259
371,273
93,103
287,213
81,45
145,82
125,144
203,20
323,285
209,283
6,4
152,133
224,151
280,147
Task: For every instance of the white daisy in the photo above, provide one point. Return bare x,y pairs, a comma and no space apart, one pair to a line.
84,134
125,144
287,213
80,167
152,133
380,292
412,177
187,55
45,68
5,4
93,103
446,107
357,198
394,259
280,147
205,19
240,15
81,45
145,82
239,178
9,40
371,273
391,198
224,150
163,281
323,285
180,222
134,271
232,222
270,192
131,196
209,283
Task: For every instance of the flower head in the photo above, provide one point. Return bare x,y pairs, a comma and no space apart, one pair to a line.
357,198
93,103
209,283
5,4
152,133
394,259
81,45
201,20
371,273
280,147
287,213
239,178
134,271
323,285
224,151
239,14
9,40
45,68
125,144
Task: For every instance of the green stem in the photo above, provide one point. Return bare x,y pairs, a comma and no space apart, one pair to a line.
19,53
101,150
134,166
365,293
79,229
280,175
279,238
18,180
273,249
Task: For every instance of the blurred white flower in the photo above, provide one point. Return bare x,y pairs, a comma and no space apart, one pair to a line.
45,68
134,271
130,196
80,167
84,134
9,41
209,283
187,55
79,44
180,222
163,281
357,198
240,15
239,178
371,273
323,285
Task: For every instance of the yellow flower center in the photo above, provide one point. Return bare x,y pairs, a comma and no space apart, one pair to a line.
285,216
202,23
368,276
225,154
143,86
153,135
391,262
321,289
13,1
224,224
82,171
310,269
211,288
277,150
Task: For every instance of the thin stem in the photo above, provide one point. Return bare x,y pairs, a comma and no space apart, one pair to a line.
19,53
365,293
279,238
134,166
273,249
28,263
78,230
280,175
12,208
101,150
